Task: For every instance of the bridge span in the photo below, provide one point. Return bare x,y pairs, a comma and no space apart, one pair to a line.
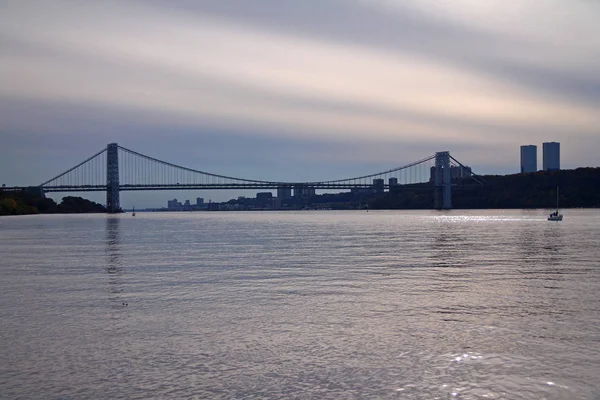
116,168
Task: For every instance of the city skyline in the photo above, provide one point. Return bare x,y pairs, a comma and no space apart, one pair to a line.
295,91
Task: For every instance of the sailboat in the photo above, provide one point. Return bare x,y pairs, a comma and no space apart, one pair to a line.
555,216
133,213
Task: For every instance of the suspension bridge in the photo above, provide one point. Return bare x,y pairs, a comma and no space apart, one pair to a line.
116,168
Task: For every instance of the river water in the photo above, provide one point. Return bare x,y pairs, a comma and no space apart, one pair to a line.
485,304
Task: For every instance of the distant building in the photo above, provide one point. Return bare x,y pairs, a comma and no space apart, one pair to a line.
309,192
264,196
301,191
264,199
378,185
551,153
456,172
298,191
460,171
174,205
199,201
284,192
393,184
528,158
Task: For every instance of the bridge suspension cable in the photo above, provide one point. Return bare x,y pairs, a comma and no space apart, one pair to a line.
149,168
137,171
378,174
90,172
140,169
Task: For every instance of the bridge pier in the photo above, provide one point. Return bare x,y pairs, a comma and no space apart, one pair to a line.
112,179
443,181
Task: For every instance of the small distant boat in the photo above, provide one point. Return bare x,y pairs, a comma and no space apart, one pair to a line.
556,215
133,213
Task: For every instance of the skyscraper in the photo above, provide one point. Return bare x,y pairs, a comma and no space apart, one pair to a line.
529,158
551,161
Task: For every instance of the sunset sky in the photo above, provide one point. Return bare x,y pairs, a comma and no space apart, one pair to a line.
296,90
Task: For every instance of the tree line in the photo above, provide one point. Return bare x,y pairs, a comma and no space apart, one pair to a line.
577,188
19,203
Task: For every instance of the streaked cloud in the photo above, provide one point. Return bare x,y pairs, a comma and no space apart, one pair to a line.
455,75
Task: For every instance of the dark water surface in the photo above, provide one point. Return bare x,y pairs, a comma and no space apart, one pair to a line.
301,305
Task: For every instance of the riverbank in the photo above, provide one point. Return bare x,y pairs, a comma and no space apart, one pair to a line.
18,203
579,188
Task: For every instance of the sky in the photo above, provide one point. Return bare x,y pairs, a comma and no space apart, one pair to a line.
289,90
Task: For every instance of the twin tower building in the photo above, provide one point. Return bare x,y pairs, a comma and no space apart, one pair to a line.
551,157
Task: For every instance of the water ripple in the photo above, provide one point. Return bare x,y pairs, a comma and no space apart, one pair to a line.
324,305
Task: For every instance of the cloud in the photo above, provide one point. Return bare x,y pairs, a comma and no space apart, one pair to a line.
484,37
209,68
371,75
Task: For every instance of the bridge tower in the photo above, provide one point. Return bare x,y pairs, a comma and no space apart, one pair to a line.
443,181
112,178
